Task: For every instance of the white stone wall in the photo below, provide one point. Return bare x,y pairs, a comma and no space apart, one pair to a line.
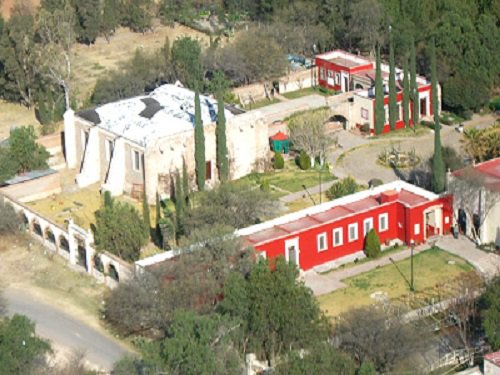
490,231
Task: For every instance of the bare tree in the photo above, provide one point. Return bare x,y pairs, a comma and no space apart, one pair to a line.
308,132
56,31
472,194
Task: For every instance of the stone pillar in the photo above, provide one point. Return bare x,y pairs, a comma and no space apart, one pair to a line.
70,138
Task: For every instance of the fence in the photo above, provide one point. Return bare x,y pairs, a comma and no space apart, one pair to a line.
74,244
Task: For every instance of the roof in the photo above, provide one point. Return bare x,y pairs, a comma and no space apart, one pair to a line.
493,358
279,136
488,172
409,195
345,59
28,176
167,110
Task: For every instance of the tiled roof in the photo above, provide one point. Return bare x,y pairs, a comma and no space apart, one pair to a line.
488,171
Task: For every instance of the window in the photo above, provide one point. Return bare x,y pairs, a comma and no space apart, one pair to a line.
136,160
330,73
367,225
416,229
109,149
292,251
383,222
338,239
322,73
446,219
386,109
337,79
353,232
208,170
364,113
322,244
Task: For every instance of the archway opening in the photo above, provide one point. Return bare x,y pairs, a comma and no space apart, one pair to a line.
63,244
113,273
37,228
49,235
81,258
98,265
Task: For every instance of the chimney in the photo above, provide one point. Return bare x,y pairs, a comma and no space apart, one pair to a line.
388,196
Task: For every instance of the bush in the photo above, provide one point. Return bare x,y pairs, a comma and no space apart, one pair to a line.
304,161
374,182
365,128
278,161
10,221
495,104
341,188
372,244
265,187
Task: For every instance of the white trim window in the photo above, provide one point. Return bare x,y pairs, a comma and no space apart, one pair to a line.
136,160
292,251
364,113
262,254
367,225
338,237
322,241
383,222
353,232
337,79
416,229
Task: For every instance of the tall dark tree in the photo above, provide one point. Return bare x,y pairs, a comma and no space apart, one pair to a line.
185,182
413,84
393,105
158,219
438,169
110,18
406,93
139,15
379,97
179,205
199,144
88,25
220,133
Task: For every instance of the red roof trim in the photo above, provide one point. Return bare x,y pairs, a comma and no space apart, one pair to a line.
279,136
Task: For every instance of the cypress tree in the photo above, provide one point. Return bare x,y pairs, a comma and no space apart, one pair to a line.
199,144
438,168
379,97
145,212
220,133
179,205
413,84
158,219
185,182
393,106
110,18
406,94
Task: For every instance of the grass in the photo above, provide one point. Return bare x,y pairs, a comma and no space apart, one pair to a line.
304,92
430,268
262,103
291,178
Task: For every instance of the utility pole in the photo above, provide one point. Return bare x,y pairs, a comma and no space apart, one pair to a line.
412,246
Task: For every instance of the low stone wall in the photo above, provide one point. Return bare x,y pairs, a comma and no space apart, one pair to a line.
31,190
74,244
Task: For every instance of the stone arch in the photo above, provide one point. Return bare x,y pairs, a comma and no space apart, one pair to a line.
98,264
81,253
358,86
25,220
50,236
37,228
113,273
64,243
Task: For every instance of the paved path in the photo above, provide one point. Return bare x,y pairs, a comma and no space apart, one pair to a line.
486,263
65,331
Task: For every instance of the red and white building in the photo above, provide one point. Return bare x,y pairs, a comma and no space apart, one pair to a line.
334,233
342,71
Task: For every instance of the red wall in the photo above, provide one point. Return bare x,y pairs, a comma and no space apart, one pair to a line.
327,65
401,226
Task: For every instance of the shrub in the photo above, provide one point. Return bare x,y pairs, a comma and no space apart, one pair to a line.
372,244
341,188
304,161
265,187
374,182
278,161
10,221
495,104
365,128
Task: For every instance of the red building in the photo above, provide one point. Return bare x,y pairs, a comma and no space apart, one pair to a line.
341,71
335,231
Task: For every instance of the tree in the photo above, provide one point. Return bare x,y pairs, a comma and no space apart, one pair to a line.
321,359
186,61
21,351
308,133
372,244
365,22
8,166
393,105
199,144
413,85
88,23
110,18
185,183
406,94
179,206
220,133
146,216
271,303
382,337
23,149
346,186
278,161
438,171
379,97
139,15
490,312
120,229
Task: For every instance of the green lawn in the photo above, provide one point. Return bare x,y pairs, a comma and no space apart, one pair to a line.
304,92
430,268
291,178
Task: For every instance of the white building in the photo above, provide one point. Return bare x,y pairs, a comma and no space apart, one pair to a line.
143,140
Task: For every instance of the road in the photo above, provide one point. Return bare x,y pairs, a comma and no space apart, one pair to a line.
65,331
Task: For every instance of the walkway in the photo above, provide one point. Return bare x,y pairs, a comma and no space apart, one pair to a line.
486,263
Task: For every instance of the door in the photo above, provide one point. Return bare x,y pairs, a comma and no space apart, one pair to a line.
423,106
292,251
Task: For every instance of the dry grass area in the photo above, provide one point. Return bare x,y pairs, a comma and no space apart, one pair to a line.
92,62
27,266
13,114
6,6
430,268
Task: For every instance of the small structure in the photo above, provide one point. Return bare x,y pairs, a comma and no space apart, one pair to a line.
492,364
333,233
280,143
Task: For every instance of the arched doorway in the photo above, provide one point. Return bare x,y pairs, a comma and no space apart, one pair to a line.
113,273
